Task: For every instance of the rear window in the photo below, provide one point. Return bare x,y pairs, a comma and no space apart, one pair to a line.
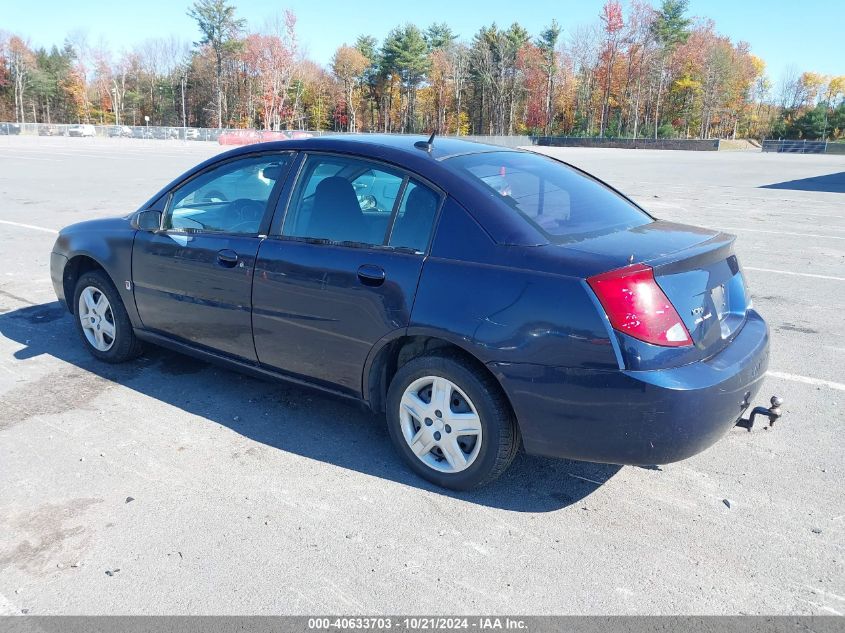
559,201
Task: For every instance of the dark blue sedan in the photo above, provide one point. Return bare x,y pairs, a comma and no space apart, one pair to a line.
481,298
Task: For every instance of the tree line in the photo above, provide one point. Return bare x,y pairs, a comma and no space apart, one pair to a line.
636,71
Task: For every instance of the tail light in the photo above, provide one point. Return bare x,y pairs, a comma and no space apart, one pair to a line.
637,306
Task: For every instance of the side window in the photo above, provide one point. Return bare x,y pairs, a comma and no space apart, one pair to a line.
231,198
412,228
342,200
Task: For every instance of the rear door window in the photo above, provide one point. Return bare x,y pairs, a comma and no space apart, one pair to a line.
561,202
415,217
340,199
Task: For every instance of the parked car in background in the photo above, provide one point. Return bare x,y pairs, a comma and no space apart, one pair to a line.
120,131
266,136
83,129
50,130
239,137
141,132
480,298
10,129
165,133
192,134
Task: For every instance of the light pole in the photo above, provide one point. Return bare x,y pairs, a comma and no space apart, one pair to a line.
184,118
114,106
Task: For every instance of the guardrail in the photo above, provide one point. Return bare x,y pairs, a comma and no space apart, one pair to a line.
701,145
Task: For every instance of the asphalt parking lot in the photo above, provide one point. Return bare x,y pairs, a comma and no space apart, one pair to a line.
215,493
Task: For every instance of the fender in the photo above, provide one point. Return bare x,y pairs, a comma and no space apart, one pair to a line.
109,243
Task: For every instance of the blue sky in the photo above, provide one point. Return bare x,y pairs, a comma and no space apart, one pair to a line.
806,34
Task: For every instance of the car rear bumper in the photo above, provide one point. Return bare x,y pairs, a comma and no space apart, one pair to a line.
637,417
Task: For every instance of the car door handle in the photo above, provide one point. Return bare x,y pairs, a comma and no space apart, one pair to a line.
371,275
227,258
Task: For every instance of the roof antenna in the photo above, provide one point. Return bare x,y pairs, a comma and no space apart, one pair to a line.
426,145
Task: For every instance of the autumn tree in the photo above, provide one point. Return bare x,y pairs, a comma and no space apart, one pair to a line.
547,43
641,71
269,61
834,91
405,55
612,23
348,65
585,50
371,82
439,36
670,29
21,63
459,60
220,30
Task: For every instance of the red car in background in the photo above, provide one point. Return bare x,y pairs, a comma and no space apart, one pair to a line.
248,137
239,137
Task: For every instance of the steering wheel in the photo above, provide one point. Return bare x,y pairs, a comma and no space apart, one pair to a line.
248,212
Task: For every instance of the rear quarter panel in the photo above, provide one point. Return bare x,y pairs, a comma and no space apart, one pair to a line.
483,297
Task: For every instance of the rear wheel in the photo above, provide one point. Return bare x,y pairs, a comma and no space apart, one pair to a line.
101,319
450,422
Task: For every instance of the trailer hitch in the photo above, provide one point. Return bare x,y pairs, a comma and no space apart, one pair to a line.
773,413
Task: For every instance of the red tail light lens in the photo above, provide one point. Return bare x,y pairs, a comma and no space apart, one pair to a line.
637,306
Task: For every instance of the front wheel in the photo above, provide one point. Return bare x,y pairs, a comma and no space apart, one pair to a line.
451,422
101,319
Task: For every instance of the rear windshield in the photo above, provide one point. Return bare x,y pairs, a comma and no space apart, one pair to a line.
558,200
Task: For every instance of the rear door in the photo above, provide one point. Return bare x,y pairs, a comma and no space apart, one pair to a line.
193,278
341,270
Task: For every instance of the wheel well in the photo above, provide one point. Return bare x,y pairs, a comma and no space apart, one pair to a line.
74,269
397,353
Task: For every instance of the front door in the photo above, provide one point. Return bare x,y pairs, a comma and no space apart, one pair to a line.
193,279
342,272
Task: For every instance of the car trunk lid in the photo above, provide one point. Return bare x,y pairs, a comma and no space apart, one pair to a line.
697,270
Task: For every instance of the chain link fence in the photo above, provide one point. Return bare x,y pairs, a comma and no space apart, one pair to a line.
787,146
226,136
84,130
231,136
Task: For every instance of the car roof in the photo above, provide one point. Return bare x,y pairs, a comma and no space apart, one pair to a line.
400,150
365,144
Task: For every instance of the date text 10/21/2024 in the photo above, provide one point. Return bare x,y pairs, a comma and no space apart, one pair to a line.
421,623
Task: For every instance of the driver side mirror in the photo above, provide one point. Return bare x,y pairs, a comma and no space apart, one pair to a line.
148,220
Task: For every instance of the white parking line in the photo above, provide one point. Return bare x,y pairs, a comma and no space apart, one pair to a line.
807,380
801,213
829,237
29,226
792,272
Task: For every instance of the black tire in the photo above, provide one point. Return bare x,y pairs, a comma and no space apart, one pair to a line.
500,434
125,346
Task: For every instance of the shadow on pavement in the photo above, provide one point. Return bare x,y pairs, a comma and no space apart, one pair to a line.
831,183
336,432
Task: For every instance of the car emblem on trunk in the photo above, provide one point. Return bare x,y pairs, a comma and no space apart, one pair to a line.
699,315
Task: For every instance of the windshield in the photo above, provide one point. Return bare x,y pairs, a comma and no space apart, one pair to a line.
558,200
